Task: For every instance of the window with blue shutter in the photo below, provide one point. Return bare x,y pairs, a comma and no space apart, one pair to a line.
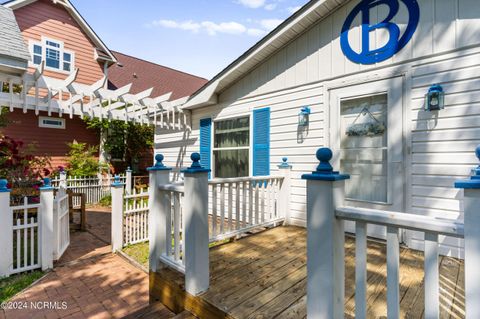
206,143
261,142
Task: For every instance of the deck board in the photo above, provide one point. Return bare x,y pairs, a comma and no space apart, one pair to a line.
264,276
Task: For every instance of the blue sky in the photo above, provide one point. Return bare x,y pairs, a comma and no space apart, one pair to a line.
196,36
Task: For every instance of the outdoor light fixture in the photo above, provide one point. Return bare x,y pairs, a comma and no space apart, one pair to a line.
303,116
435,98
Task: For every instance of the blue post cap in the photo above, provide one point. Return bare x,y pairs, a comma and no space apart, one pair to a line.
128,169
116,181
325,170
47,184
3,186
196,166
284,163
474,181
159,166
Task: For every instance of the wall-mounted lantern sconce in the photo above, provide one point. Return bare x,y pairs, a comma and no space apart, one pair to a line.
303,116
435,98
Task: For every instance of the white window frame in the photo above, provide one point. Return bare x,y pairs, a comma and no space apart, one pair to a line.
249,147
61,49
43,125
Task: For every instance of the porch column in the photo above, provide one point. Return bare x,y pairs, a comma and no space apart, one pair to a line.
117,214
6,230
46,224
195,218
325,240
159,204
471,218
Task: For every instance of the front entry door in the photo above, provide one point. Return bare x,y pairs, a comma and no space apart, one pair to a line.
366,137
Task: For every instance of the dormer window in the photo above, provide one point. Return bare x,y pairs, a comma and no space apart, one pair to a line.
53,53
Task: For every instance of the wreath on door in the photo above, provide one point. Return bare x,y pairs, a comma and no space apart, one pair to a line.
373,127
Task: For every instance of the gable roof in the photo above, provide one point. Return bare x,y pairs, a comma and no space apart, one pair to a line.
102,50
144,75
302,20
13,50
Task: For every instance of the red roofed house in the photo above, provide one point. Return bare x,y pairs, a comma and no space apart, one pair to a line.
57,35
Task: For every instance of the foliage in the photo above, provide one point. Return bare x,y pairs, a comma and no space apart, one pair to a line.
22,169
124,140
82,161
106,201
10,286
139,252
3,116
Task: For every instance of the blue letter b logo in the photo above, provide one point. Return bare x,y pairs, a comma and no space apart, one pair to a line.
395,42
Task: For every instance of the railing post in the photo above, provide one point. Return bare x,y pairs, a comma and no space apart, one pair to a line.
325,240
159,205
128,181
195,220
472,241
6,230
117,214
284,192
46,239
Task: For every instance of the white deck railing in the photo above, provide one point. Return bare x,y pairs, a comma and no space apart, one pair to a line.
241,204
187,216
432,227
326,250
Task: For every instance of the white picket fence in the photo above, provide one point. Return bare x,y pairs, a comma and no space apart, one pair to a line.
61,223
94,187
135,217
25,244
32,236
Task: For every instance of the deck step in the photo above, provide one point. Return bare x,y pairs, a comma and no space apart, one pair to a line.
156,310
185,315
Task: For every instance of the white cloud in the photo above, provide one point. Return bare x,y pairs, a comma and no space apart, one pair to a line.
213,28
210,27
270,24
254,4
256,32
270,6
292,10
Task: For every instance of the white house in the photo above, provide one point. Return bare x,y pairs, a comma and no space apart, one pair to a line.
363,70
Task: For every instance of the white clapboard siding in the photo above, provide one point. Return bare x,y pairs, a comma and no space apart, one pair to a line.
445,50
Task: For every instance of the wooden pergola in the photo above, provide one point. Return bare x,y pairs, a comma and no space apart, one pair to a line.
36,92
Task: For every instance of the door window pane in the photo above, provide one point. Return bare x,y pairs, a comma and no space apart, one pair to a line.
364,147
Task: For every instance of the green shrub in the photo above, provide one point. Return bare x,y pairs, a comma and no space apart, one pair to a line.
106,200
82,160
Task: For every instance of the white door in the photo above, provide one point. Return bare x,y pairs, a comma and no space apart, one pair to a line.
366,122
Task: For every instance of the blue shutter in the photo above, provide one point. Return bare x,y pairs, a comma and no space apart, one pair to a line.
261,142
206,143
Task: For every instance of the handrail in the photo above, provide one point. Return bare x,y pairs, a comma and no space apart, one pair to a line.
402,220
176,187
242,179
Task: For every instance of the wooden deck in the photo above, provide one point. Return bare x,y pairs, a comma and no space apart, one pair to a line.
264,276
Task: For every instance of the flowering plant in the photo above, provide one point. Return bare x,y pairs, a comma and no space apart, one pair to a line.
22,169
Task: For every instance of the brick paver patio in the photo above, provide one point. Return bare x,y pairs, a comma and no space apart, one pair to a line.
91,281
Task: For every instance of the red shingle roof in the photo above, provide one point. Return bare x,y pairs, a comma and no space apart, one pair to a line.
144,75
